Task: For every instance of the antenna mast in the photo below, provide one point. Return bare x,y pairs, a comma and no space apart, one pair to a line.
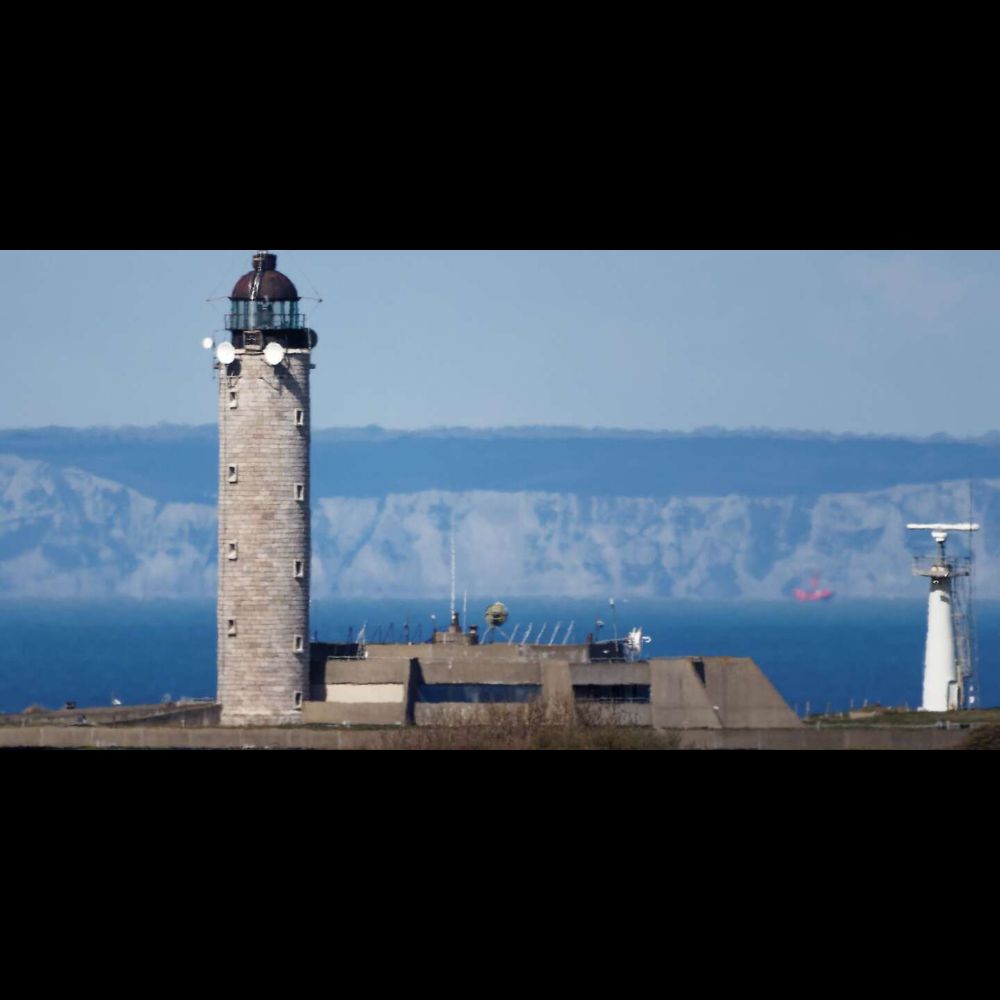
455,624
258,266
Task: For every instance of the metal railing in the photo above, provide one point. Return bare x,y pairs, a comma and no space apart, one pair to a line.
933,566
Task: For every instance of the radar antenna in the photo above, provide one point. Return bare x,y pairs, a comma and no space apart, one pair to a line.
496,616
634,643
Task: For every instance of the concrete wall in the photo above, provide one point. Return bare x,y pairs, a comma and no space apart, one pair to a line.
809,738
557,692
746,699
365,694
346,681
338,713
375,692
185,714
193,715
715,693
491,652
295,737
598,713
260,670
610,673
374,671
479,672
685,692
475,714
678,697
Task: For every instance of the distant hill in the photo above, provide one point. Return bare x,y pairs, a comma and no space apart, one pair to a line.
552,511
179,464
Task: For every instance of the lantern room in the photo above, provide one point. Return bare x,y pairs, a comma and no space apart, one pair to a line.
264,299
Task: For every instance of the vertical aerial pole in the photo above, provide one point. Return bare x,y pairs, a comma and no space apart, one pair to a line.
455,625
453,571
945,662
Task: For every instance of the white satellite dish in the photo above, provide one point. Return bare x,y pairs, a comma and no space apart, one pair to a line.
208,343
274,354
226,353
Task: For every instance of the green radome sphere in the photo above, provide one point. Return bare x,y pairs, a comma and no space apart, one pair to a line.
496,615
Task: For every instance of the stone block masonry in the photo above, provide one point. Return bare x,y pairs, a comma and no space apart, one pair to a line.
264,539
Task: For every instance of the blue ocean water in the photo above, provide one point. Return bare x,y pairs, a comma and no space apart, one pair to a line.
830,655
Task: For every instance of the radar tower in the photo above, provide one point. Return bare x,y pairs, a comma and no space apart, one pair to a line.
948,667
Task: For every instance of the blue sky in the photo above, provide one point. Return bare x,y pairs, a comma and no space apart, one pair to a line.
863,342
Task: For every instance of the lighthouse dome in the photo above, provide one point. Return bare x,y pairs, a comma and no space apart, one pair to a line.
272,286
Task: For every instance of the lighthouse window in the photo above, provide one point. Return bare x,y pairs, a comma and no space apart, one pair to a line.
234,474
231,627
234,552
232,400
300,491
299,569
300,418
298,644
297,701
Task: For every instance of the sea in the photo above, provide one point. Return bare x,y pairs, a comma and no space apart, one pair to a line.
822,657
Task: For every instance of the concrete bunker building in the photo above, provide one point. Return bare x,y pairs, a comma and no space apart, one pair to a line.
464,683
269,673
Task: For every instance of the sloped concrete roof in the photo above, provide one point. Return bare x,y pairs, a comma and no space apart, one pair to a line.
744,697
678,697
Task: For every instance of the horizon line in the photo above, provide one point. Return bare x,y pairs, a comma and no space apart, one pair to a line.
549,430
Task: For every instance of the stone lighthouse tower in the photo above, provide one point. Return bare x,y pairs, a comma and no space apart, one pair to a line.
264,536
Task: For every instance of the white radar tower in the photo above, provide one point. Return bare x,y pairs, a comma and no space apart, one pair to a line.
948,659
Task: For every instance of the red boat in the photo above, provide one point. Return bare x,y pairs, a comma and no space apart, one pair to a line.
816,593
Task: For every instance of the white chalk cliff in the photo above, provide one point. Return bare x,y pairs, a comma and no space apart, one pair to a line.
67,533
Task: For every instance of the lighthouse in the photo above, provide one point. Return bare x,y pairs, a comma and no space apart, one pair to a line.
264,517
947,665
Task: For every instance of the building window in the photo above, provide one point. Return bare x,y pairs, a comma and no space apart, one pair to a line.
300,491
299,569
300,418
233,400
298,645
297,701
233,474
631,693
234,552
437,694
232,627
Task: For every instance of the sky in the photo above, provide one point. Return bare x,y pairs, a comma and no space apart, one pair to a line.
847,341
